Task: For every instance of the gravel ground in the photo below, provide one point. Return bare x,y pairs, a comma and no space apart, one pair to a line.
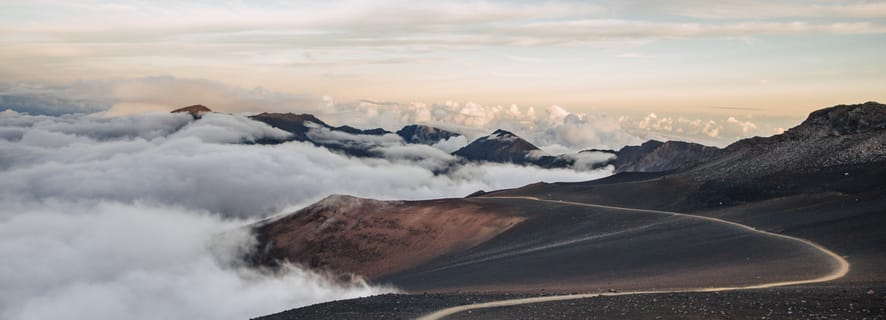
853,302
387,306
797,303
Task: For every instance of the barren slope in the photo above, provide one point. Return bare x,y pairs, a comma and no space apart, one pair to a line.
374,238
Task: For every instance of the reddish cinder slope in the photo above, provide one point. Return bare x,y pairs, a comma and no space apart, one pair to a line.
375,238
196,110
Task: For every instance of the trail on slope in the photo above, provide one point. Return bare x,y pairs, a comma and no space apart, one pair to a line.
840,271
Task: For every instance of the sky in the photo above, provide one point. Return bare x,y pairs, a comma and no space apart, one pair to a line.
765,62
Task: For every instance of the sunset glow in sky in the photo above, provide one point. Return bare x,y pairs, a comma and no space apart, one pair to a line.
741,58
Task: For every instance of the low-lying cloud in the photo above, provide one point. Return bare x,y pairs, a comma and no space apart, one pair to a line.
712,131
138,95
141,216
134,261
553,128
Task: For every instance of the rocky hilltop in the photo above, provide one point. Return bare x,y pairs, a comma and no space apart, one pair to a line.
423,134
840,135
500,146
196,110
375,238
842,120
297,124
823,181
843,135
657,156
503,146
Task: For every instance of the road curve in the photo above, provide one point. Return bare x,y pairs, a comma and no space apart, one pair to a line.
841,270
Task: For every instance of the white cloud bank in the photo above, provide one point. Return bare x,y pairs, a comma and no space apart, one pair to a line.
555,129
132,261
553,126
711,131
139,217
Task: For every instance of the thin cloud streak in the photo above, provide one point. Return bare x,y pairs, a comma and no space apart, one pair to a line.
438,50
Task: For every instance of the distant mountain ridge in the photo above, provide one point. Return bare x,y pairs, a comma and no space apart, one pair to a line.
842,120
196,110
501,146
657,156
296,124
840,135
422,134
823,180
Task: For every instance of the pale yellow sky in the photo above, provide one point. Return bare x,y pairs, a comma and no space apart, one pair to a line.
781,59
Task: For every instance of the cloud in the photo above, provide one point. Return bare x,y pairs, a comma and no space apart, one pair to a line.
141,216
139,95
742,128
715,131
315,45
52,100
586,31
221,128
325,135
427,157
399,24
586,131
200,166
633,55
755,9
116,261
555,127
451,144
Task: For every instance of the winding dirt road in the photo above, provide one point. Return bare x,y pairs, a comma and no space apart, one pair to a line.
840,270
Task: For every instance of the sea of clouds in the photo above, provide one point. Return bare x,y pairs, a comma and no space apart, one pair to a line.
553,128
142,216
111,207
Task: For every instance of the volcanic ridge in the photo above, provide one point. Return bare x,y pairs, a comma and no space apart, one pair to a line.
799,212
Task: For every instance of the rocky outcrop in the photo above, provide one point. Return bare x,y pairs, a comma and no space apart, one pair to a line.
371,132
196,110
838,136
506,147
657,156
307,127
297,124
842,120
500,146
422,134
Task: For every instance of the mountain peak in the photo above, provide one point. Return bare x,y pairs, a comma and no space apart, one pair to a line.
842,120
196,110
417,133
297,124
500,146
657,156
290,117
503,133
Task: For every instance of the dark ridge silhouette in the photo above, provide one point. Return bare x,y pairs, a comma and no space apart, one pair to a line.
423,134
196,110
